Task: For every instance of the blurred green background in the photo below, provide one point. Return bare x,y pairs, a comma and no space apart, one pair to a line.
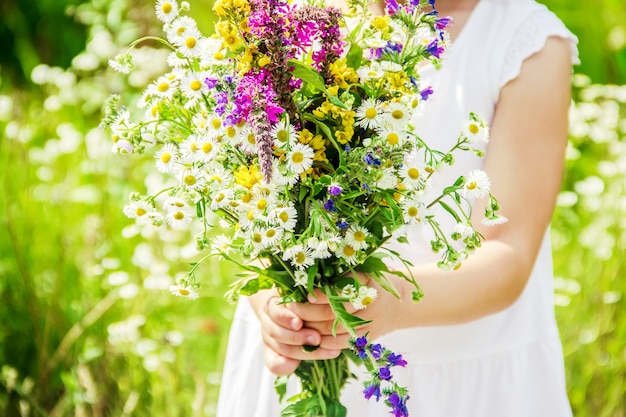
87,326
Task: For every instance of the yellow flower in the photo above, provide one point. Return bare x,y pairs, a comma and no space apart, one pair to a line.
398,80
342,73
380,23
263,61
247,177
220,7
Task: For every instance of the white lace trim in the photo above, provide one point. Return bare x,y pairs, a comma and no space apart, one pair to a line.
530,37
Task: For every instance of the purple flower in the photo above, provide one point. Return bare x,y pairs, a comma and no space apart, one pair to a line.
427,92
210,82
392,7
376,350
334,190
384,373
329,205
442,22
342,224
434,49
396,359
398,405
372,390
361,342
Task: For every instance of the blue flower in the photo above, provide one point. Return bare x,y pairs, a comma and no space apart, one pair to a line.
384,373
396,359
369,158
329,205
372,391
334,190
425,93
376,351
398,405
361,342
434,49
342,224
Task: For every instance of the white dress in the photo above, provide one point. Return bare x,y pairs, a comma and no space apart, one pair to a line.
507,364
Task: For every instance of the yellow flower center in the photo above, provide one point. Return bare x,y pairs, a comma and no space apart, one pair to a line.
371,113
251,139
216,178
190,42
261,204
195,85
297,157
207,147
166,8
193,146
270,233
472,185
393,138
216,123
257,238
397,114
189,180
179,215
348,251
300,258
231,132
184,292
412,211
282,136
367,300
413,173
220,197
166,157
359,236
140,212
246,198
163,87
250,215
457,266
180,31
219,55
473,128
284,217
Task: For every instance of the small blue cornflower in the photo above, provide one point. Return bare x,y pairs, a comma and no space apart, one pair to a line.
372,390
329,205
384,373
342,224
426,93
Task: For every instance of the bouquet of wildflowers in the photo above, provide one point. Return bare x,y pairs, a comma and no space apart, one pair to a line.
293,125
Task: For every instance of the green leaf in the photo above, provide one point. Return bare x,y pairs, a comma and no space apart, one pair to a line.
450,210
254,285
280,385
307,74
335,409
355,56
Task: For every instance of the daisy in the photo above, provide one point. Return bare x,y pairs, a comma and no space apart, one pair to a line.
211,54
281,175
284,133
247,141
191,148
217,177
476,184
389,66
221,199
166,10
299,256
177,61
209,148
184,291
163,87
391,134
272,235
388,179
260,204
364,297
373,72
193,87
175,204
221,244
369,114
285,217
190,44
166,158
179,28
356,236
138,209
476,131
494,220
300,158
178,219
414,212
397,114
413,171
348,253
301,278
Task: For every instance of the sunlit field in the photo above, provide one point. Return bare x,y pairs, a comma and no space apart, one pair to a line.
87,324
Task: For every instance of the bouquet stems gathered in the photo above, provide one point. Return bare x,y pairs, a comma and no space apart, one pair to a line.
288,144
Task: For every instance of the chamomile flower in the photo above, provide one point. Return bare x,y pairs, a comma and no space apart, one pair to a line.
179,219
356,236
190,44
364,297
209,148
413,171
369,114
179,28
260,204
184,291
301,278
414,211
387,180
372,72
285,217
272,235
348,291
476,131
281,175
476,184
193,87
397,114
389,66
211,53
177,204
221,244
138,209
163,87
217,177
190,148
221,198
299,256
166,10
166,158
300,158
494,220
348,253
393,135
247,141
284,133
